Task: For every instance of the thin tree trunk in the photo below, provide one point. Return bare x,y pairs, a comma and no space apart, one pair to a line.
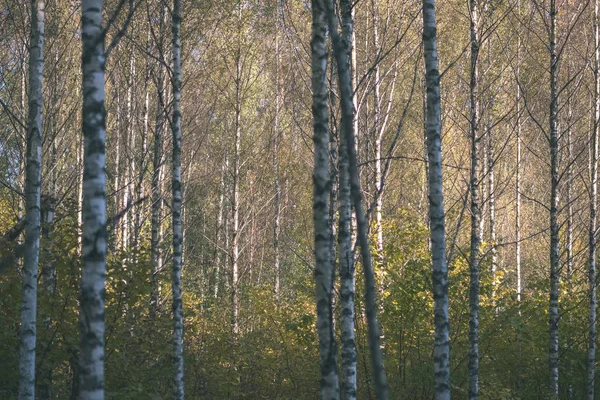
141,165
130,151
347,281
518,202
91,365
441,349
346,91
176,206
218,250
473,367
236,197
518,173
492,199
277,228
48,280
378,132
117,178
346,256
32,205
554,227
591,375
157,161
569,189
321,187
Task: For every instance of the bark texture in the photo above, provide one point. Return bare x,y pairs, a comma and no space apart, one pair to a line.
91,316
33,177
441,349
554,226
321,187
473,367
347,106
591,373
176,206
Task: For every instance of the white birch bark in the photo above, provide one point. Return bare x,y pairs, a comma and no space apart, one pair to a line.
178,384
441,349
347,106
277,228
473,366
554,226
346,256
591,357
321,188
91,316
157,162
33,177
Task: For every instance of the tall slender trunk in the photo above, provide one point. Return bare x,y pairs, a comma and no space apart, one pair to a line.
518,173
591,375
554,227
492,198
347,281
441,349
235,240
321,187
277,228
569,188
474,259
32,204
117,172
157,161
220,228
141,164
176,205
346,256
91,316
130,151
48,281
347,123
378,132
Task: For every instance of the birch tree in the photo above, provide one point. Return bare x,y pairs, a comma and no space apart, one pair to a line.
347,106
91,316
176,205
32,205
474,259
441,350
321,187
591,361
346,254
554,226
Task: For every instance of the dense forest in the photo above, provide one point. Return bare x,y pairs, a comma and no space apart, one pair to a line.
280,199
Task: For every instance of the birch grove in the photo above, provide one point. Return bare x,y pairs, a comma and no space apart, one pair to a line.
298,200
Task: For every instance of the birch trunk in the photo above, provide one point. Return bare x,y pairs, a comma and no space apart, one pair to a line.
321,187
554,227
33,177
157,161
91,316
117,179
176,206
235,229
492,199
346,256
220,228
591,373
347,106
347,280
473,367
441,349
277,228
378,142
518,202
